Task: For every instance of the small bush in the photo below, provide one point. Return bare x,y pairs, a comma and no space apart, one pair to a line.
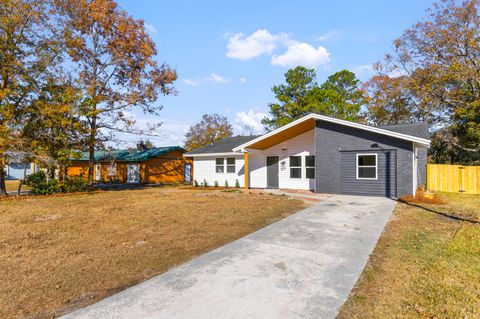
195,183
226,183
215,183
237,183
205,183
40,186
75,184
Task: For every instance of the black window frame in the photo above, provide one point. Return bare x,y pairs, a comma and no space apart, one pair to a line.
295,169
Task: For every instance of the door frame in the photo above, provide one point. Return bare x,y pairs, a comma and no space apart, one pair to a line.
98,172
277,175
138,173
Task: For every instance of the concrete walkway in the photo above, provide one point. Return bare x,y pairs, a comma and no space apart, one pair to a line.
301,267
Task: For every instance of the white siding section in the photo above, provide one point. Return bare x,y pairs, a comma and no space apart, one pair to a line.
298,146
204,169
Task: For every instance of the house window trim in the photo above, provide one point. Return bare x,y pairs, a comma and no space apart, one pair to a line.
218,165
307,167
376,166
297,167
227,165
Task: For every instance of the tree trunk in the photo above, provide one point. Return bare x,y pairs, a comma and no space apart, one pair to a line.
3,188
91,148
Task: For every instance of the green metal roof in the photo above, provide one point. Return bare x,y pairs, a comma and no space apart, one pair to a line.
133,155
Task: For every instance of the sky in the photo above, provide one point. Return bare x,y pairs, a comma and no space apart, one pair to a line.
229,54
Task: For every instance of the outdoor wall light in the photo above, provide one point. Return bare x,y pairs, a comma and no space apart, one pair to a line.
284,151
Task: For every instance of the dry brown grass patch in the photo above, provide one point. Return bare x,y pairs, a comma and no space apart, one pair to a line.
60,253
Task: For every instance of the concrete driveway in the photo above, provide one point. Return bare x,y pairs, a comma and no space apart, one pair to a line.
301,267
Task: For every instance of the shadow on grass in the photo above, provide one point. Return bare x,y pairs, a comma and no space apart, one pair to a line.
450,216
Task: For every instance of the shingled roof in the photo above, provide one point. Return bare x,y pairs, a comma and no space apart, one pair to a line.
225,145
129,155
416,129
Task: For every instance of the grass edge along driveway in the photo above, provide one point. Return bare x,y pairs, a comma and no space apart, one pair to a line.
425,265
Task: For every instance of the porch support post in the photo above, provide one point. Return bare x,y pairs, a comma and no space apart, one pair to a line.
245,165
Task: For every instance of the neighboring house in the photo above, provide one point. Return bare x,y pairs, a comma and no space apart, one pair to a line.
322,154
17,166
15,170
160,165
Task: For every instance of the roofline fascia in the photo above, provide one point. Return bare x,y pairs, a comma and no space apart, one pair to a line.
422,141
213,154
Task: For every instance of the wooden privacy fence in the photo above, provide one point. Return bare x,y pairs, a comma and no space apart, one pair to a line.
453,178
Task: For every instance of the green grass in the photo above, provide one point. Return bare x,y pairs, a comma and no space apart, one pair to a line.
424,266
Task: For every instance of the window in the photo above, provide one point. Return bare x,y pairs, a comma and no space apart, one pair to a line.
112,169
366,166
295,167
219,165
310,166
231,165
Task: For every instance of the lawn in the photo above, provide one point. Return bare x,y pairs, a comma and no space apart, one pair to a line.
12,186
65,252
425,265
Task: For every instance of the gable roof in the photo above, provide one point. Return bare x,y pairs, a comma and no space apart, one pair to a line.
312,117
129,155
225,145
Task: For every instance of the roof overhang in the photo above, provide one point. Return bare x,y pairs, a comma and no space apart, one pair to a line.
212,154
307,123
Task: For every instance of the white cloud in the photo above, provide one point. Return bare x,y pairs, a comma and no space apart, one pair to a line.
331,35
217,79
260,42
243,80
363,70
190,82
249,123
212,78
150,28
395,73
304,54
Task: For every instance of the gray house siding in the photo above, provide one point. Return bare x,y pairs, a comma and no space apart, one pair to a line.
384,185
422,166
332,140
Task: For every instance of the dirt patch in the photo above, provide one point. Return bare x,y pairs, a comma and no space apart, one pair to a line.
62,253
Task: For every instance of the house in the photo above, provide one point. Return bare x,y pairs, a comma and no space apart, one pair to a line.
321,154
159,165
18,166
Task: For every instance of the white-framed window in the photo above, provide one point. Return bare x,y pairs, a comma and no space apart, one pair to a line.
310,166
231,165
367,166
220,165
295,167
112,169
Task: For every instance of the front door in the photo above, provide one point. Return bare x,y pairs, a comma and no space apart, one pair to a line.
188,173
133,173
98,171
272,172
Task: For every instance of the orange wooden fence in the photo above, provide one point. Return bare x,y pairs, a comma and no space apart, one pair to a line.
453,178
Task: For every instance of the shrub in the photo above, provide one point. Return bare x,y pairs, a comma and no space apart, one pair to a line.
205,183
75,184
226,183
215,183
195,183
39,184
237,183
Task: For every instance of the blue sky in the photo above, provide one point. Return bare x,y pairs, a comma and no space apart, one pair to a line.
228,54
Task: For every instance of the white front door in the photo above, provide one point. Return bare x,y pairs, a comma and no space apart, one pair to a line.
98,171
133,173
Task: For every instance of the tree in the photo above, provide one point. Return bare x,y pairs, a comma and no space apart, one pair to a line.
340,96
210,129
439,58
114,67
26,58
